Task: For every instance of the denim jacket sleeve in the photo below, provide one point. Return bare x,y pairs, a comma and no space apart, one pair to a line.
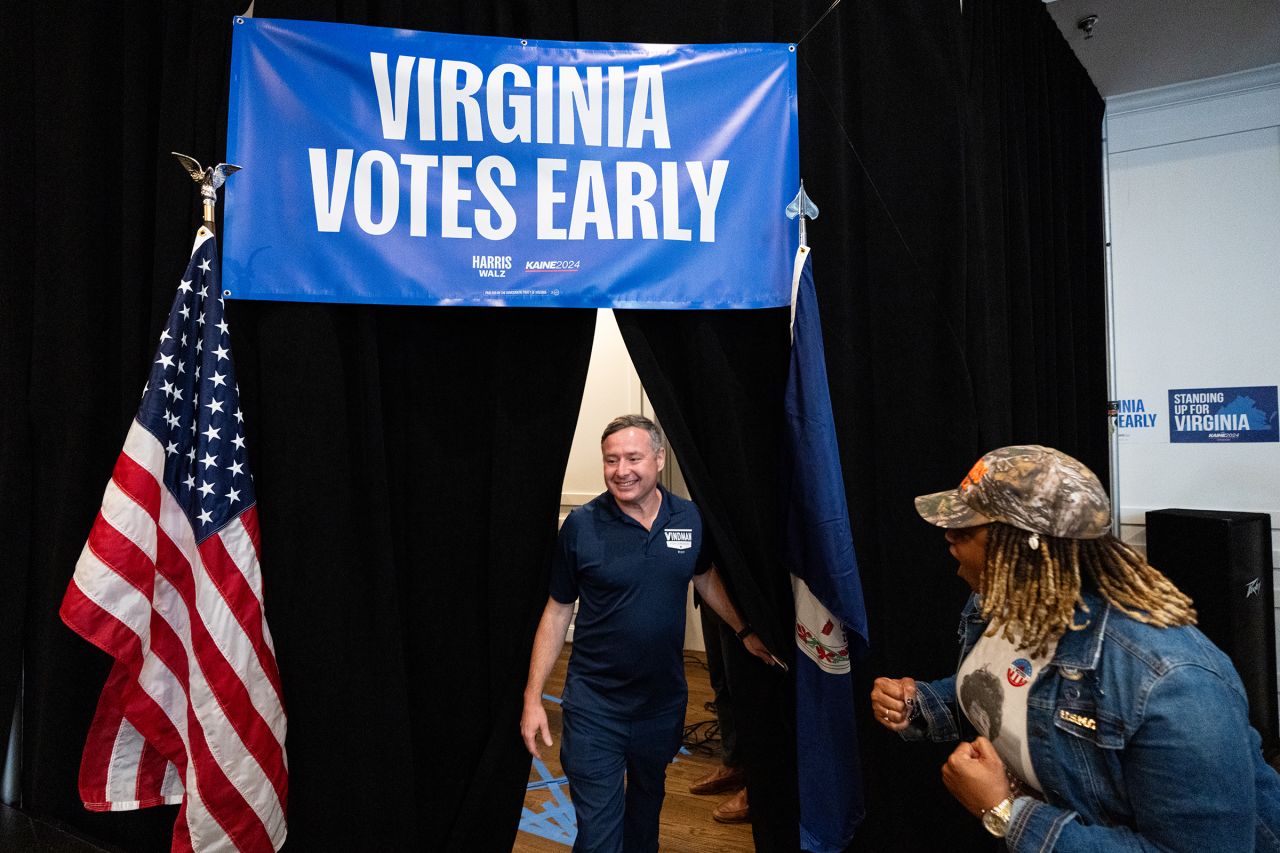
937,721
1188,771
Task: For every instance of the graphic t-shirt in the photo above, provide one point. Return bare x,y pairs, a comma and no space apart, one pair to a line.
992,687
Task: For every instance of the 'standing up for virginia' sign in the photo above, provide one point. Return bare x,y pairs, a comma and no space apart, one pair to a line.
418,168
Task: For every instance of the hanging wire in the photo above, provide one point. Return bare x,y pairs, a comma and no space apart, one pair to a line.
830,9
866,173
884,205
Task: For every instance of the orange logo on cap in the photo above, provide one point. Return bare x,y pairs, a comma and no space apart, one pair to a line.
976,473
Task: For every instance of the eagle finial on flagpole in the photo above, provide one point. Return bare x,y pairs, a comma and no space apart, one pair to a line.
802,208
209,180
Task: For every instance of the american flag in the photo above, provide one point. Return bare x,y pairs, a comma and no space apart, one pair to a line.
168,584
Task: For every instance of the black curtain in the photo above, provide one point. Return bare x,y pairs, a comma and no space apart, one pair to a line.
408,460
958,262
716,379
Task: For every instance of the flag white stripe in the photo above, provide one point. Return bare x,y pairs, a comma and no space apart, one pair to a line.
227,634
122,772
238,544
143,447
171,787
228,750
113,594
167,690
121,511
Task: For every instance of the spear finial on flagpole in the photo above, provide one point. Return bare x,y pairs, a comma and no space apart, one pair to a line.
209,180
802,208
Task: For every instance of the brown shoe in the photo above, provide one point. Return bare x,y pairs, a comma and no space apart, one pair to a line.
734,810
721,780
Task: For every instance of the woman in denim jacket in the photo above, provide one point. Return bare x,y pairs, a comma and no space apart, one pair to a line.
1104,720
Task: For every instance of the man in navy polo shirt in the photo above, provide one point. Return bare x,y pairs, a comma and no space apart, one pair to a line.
628,557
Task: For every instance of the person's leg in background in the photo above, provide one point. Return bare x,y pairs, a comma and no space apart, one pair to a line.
729,776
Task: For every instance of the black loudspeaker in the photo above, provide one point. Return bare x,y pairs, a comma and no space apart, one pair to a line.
1223,561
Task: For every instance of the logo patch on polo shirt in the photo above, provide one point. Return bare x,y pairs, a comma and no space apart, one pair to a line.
680,540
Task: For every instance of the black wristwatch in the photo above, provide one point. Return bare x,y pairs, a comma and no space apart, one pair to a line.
746,631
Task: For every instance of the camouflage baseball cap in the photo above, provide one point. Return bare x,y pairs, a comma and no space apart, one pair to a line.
1033,488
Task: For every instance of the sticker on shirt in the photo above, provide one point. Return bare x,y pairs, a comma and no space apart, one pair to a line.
1019,673
678,539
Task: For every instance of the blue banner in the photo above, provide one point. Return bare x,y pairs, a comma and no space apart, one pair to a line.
1243,414
404,167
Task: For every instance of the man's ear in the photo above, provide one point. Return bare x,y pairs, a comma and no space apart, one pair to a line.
662,457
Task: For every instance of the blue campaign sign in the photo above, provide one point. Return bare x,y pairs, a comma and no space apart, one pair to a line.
1223,414
404,167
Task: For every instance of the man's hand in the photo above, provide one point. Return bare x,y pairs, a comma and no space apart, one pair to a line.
532,722
893,701
756,646
974,774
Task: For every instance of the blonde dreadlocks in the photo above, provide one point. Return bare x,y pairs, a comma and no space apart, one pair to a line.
1032,593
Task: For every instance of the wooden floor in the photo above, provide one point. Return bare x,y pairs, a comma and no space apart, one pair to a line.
686,824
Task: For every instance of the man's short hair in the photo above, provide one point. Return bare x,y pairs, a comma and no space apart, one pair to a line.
618,424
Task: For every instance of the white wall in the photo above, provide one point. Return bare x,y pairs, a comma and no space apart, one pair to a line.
1194,223
1194,213
613,388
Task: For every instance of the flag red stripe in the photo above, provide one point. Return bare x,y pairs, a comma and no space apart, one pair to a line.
220,797
122,555
92,781
133,566
181,833
223,680
244,604
224,802
151,768
140,484
119,700
249,518
101,627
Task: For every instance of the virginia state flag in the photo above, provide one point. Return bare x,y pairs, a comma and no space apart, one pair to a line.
818,550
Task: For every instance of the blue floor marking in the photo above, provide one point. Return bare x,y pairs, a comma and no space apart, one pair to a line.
556,820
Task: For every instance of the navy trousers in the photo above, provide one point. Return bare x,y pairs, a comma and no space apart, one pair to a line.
597,752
